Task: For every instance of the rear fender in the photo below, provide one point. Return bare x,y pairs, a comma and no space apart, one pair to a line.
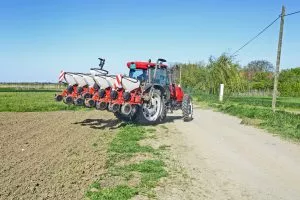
179,94
155,86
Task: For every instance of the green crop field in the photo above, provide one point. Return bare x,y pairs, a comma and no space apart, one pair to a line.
13,100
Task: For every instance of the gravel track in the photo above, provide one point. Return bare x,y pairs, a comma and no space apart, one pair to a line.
227,160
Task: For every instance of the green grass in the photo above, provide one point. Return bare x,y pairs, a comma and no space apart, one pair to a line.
123,147
151,170
31,86
26,101
120,192
282,102
27,90
127,140
283,123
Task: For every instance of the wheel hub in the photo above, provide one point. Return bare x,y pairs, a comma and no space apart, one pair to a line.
151,110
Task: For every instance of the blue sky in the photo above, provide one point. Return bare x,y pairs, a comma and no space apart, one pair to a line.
39,38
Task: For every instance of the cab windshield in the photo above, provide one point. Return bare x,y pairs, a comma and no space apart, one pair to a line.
139,74
161,76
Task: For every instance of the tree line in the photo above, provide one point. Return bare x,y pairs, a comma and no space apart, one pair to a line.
256,75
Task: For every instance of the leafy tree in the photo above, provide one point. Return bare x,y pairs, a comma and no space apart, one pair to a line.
262,81
289,82
195,76
224,70
256,75
201,77
259,74
257,66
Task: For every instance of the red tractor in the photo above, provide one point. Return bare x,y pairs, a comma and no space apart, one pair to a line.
148,93
145,96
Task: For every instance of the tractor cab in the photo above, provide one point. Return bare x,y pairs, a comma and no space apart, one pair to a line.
139,74
149,72
138,70
160,76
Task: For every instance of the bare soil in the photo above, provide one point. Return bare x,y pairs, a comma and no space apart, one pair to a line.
52,155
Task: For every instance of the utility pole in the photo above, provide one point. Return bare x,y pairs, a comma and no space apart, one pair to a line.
278,59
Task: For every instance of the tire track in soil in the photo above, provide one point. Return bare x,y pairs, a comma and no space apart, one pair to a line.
52,155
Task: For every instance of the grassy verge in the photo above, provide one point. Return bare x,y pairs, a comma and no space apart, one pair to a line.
282,102
283,123
132,169
26,101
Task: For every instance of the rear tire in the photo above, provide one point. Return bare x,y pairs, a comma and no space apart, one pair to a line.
164,112
187,108
155,116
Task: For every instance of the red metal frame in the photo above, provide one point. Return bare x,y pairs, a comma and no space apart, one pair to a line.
143,65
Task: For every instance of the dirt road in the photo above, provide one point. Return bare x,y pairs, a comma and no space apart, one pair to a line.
227,160
52,155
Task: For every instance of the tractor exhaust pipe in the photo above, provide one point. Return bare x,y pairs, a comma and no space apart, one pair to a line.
114,107
126,109
89,102
101,105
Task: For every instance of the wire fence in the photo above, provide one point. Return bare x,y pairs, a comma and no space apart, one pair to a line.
255,93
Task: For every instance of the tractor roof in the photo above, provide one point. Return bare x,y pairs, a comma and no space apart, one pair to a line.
143,65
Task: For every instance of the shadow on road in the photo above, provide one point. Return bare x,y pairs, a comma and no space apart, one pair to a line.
102,123
170,119
116,123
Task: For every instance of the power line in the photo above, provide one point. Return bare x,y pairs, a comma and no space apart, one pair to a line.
292,13
263,30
